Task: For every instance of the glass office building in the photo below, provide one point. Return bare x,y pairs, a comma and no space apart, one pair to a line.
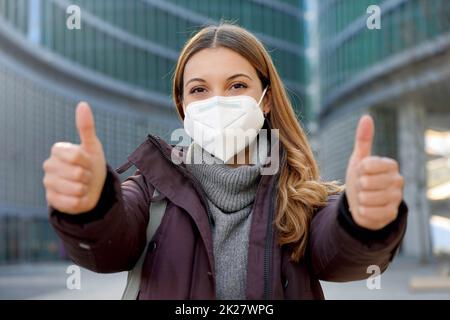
121,62
399,73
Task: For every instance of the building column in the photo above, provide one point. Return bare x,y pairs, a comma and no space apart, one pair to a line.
412,156
34,21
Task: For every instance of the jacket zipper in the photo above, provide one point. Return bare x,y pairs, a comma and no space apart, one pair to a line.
268,250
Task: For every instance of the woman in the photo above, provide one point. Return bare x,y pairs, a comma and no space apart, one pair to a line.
228,231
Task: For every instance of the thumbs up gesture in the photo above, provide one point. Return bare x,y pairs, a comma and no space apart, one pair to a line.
75,174
374,186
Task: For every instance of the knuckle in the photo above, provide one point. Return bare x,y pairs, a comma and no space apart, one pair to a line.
382,198
362,210
390,209
46,164
394,207
400,180
360,167
361,197
48,197
55,149
59,147
397,195
384,180
75,155
358,186
373,162
79,189
51,197
76,202
392,218
364,182
379,225
390,164
78,173
395,165
45,181
87,176
365,165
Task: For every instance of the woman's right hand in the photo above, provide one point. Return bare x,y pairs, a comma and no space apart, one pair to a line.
75,174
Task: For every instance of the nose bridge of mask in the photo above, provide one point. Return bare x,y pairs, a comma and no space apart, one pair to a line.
237,102
220,113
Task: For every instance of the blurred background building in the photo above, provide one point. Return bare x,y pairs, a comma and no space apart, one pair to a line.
400,74
121,62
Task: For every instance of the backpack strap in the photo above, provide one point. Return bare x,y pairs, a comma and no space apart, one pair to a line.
157,209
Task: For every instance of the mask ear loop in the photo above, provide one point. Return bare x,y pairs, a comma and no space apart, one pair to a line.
262,96
260,99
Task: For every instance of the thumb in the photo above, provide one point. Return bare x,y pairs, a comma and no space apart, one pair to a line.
86,126
363,138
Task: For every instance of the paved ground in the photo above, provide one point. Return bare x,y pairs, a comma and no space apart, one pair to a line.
48,281
394,283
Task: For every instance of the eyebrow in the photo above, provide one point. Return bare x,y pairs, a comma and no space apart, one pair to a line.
228,79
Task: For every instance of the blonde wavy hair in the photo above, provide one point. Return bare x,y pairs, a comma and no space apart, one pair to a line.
300,191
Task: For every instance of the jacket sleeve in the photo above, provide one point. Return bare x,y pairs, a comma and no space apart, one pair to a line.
112,236
342,251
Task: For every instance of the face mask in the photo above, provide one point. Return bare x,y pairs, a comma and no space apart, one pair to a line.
224,126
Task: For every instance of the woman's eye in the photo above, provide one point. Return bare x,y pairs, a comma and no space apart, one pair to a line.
238,86
197,90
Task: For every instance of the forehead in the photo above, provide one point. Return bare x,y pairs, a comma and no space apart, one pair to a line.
217,63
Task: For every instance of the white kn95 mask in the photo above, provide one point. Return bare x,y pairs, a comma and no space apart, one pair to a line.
224,126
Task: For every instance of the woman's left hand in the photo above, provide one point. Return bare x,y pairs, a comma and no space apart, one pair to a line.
374,186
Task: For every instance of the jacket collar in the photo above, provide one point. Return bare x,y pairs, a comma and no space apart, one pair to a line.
153,159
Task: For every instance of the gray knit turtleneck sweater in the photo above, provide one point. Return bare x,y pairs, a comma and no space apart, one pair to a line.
230,194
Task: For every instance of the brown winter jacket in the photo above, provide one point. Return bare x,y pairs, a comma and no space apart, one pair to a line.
180,263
